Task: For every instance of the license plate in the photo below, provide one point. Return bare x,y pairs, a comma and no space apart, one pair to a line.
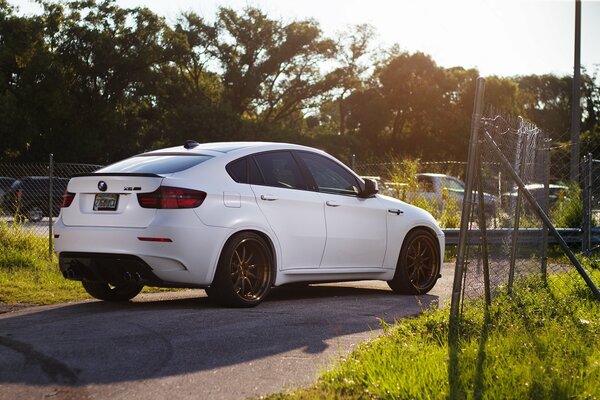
106,202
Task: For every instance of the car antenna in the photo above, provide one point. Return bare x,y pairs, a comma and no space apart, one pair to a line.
190,144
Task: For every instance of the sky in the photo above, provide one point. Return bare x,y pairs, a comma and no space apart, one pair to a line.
498,37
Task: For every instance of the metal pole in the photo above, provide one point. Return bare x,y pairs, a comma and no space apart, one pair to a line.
575,107
517,221
50,205
483,230
354,162
466,207
540,213
546,207
586,237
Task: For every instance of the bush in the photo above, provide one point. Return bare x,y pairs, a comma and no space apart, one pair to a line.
568,210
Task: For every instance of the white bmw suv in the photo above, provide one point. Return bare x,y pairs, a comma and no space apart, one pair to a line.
236,219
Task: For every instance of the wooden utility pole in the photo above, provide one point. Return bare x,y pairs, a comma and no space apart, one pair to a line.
575,107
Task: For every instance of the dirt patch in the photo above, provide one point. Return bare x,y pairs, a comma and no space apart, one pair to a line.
5,308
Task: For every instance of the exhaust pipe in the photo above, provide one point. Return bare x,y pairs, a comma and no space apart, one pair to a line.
127,276
70,274
137,277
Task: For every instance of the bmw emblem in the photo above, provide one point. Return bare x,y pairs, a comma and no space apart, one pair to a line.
102,186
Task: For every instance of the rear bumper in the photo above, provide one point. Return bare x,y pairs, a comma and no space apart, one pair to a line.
113,268
188,260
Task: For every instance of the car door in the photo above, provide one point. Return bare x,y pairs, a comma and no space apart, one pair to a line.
454,188
295,214
356,227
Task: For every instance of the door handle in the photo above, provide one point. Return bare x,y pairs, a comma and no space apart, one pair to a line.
332,203
395,211
268,197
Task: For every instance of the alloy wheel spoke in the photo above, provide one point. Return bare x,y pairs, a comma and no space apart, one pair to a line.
249,285
239,258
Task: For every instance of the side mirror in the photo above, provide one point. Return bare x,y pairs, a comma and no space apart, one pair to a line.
371,189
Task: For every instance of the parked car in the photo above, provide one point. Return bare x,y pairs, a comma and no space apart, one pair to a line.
5,184
30,197
432,187
237,218
556,192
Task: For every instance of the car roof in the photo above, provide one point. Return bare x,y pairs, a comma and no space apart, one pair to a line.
220,148
531,186
435,175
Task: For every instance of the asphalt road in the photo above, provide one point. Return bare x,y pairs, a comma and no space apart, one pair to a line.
178,345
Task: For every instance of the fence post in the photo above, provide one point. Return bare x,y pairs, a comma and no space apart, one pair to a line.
586,237
461,256
483,230
522,153
545,207
50,205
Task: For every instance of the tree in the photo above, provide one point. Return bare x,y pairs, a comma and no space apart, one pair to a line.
354,49
271,70
546,101
24,63
411,85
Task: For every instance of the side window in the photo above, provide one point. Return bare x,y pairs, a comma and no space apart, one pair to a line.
425,183
279,169
452,184
244,170
238,170
329,176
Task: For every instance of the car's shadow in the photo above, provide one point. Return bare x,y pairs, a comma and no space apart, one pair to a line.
98,343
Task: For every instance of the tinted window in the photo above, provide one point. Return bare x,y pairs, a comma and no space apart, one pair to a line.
156,164
453,184
40,183
425,183
279,169
330,176
5,183
245,170
238,170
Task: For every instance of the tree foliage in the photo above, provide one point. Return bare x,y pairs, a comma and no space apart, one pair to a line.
92,81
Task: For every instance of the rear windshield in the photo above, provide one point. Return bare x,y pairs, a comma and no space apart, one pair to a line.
156,164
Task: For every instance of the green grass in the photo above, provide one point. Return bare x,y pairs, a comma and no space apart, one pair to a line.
29,276
539,344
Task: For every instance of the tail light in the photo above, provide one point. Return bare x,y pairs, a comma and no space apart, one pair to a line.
171,197
67,199
19,194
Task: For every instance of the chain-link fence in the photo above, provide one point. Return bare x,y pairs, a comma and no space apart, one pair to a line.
31,195
438,187
591,205
527,246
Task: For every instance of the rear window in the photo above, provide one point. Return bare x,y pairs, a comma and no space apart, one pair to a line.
156,164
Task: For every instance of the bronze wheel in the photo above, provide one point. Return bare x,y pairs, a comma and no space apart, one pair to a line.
245,272
418,266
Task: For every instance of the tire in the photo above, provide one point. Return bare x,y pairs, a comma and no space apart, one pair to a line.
418,267
35,214
106,292
244,273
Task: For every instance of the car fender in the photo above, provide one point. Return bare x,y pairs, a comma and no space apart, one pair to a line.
264,231
399,226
